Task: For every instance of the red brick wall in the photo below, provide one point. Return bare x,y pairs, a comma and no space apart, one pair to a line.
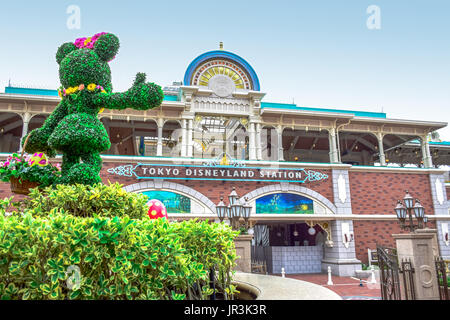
370,233
378,192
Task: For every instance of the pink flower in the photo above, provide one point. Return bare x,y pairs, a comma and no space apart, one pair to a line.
58,166
79,43
81,87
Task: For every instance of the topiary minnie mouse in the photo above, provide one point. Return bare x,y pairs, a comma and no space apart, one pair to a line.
73,128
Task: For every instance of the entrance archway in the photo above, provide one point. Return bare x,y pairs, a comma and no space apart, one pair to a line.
297,244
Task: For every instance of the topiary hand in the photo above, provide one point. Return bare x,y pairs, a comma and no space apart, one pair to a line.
141,96
144,96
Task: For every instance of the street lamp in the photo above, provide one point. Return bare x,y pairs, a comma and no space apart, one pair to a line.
234,211
408,207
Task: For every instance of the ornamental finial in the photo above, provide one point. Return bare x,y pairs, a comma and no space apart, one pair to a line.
221,45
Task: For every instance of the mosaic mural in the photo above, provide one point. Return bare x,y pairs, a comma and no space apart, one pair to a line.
174,202
284,203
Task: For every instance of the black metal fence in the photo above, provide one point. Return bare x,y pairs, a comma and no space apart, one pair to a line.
443,277
390,278
389,273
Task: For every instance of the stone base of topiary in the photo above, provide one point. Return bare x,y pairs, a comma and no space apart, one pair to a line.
22,186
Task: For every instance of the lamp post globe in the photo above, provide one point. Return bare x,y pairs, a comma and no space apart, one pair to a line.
408,200
233,196
419,210
400,211
229,214
221,210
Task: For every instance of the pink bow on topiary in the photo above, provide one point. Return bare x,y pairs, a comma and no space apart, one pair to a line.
88,42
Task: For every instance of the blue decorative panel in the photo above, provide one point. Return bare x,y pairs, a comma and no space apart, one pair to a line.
284,203
174,202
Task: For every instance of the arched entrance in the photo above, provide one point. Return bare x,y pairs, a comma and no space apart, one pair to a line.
285,235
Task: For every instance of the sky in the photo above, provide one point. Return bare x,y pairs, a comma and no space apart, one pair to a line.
313,53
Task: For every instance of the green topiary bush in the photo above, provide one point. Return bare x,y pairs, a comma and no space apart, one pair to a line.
87,201
117,258
73,128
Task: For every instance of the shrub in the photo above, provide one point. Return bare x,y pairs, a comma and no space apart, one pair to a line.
87,201
118,258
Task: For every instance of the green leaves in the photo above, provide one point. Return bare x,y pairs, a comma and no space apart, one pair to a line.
115,257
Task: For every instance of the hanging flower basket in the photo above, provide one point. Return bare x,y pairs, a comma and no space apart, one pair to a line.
27,172
22,186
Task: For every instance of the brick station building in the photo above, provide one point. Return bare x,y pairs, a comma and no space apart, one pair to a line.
322,183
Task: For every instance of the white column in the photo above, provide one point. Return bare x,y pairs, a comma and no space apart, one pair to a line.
189,138
333,147
426,154
183,138
159,145
26,117
258,142
280,143
251,141
381,149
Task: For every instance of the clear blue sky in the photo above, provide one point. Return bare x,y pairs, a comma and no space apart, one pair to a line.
316,53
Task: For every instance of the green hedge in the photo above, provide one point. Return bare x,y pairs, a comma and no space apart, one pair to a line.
87,201
118,258
120,253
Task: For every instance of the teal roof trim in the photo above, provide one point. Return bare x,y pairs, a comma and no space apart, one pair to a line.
289,106
53,93
440,143
31,91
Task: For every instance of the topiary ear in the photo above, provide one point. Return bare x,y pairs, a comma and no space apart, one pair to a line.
64,50
107,46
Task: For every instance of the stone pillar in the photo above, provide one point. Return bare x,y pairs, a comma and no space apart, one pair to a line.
251,141
426,154
189,138
183,137
418,248
280,143
341,258
381,149
258,142
159,145
243,245
26,117
334,156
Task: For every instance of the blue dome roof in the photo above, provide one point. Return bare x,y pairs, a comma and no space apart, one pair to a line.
221,54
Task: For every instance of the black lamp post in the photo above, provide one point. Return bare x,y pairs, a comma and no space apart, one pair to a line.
408,207
234,211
